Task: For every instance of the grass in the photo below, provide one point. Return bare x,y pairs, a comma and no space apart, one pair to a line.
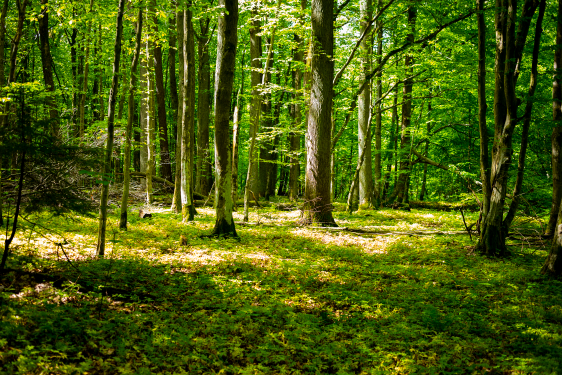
283,299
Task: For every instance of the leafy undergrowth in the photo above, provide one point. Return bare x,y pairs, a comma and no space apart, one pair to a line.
283,299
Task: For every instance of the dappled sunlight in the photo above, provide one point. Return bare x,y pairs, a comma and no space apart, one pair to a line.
376,245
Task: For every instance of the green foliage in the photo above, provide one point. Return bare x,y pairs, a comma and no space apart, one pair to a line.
282,300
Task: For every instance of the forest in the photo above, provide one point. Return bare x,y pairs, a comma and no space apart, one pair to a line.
281,187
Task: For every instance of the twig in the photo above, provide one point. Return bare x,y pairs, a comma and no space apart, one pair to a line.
466,226
210,193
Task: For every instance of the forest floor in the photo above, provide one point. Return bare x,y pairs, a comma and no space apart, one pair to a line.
393,293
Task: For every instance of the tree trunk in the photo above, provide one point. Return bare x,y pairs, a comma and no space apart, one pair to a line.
188,117
110,118
165,163
81,109
557,131
130,119
526,122
250,188
318,205
2,83
224,76
150,121
204,170
176,202
378,187
236,138
363,116
46,62
398,198
509,48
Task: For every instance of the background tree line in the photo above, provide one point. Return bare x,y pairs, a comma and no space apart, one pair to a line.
373,102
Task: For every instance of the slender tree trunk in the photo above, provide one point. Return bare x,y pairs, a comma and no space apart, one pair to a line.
482,109
172,43
364,105
378,187
318,205
110,118
399,196
224,77
188,116
557,130
176,203
255,79
46,62
236,138
130,119
2,83
204,170
165,162
81,109
150,119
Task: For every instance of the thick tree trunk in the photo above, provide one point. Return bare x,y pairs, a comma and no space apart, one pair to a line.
165,162
224,77
204,171
318,205
255,80
130,119
557,131
364,109
176,201
110,118
46,62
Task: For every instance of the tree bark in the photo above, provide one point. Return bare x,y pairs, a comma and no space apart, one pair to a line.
165,162
378,186
318,205
176,202
398,198
204,171
255,80
363,115
508,48
84,90
227,39
188,117
150,112
110,119
556,139
237,117
130,119
526,122
46,63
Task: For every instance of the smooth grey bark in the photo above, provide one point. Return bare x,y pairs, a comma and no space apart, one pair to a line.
110,129
150,112
251,186
204,167
378,184
227,40
176,201
130,119
363,115
236,118
143,152
318,206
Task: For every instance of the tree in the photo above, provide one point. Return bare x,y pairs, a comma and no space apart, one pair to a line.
227,39
110,133
318,205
